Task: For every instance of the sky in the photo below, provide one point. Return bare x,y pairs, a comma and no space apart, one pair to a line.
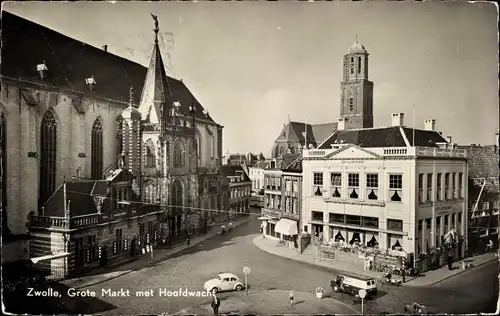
254,65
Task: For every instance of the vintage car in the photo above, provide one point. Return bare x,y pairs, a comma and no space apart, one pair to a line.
415,309
224,282
351,284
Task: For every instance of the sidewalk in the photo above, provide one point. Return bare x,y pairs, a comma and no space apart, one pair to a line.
159,254
271,303
428,278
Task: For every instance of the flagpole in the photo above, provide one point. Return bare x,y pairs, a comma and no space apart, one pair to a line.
413,141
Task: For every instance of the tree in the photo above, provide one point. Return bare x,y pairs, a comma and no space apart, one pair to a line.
261,157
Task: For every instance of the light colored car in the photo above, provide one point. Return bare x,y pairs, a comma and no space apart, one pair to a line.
224,282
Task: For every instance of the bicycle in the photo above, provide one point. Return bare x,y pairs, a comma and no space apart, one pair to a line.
281,242
380,280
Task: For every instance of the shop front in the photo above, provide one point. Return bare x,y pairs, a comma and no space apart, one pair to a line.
288,230
353,237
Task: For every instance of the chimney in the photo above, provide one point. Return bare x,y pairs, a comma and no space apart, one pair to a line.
430,125
449,139
341,124
105,48
397,119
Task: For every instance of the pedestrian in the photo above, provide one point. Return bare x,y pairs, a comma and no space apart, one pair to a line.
290,296
450,263
215,304
316,235
223,229
403,274
188,239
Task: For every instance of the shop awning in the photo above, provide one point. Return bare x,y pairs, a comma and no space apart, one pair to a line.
286,227
57,255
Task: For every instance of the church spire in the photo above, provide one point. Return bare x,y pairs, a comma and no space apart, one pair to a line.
156,92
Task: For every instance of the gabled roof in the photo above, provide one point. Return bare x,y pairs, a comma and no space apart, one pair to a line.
316,133
79,195
70,62
262,164
383,137
285,160
294,166
323,131
233,170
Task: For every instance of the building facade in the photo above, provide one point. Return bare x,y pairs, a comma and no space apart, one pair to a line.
484,195
283,199
393,188
68,116
240,190
256,174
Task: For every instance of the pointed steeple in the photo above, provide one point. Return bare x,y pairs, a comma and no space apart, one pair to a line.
156,91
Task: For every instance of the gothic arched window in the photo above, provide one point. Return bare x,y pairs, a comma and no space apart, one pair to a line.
48,157
359,64
352,65
179,155
150,154
96,155
119,135
176,198
3,172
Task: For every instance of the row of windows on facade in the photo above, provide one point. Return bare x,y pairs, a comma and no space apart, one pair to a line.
87,249
450,192
240,192
439,237
274,201
274,183
354,220
395,186
179,155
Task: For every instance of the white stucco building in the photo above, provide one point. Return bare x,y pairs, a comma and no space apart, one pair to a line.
256,174
394,187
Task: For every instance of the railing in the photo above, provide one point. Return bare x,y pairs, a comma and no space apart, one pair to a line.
49,222
395,151
85,220
400,151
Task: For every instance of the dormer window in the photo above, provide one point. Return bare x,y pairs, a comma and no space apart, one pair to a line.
42,70
91,82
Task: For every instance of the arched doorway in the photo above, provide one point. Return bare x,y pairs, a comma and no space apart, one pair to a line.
177,208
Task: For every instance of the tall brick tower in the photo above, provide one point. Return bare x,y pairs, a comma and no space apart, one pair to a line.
356,104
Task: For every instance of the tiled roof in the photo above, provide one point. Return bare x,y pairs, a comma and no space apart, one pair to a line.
316,133
232,170
322,131
70,62
295,166
285,160
262,164
78,195
383,137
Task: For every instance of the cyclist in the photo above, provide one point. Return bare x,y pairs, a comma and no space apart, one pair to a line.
223,229
230,226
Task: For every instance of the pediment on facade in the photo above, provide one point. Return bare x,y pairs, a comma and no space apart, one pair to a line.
352,152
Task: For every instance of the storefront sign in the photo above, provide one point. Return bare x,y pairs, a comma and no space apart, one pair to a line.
352,161
443,208
271,213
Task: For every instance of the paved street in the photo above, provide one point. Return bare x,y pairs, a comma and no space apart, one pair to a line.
191,267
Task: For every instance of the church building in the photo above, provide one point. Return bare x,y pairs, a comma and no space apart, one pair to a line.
71,125
356,108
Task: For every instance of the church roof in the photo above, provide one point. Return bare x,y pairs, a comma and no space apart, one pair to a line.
384,137
70,62
357,48
316,133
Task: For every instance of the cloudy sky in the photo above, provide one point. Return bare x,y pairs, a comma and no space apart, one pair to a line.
254,64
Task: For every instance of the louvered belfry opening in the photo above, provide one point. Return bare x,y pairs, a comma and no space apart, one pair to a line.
97,156
48,159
